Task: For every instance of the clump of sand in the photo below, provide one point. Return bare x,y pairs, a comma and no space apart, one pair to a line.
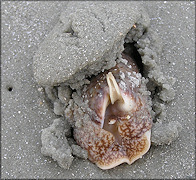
85,42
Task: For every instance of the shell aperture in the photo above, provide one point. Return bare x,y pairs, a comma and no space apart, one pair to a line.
120,126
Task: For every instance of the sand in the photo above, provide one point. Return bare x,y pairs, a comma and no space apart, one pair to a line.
25,112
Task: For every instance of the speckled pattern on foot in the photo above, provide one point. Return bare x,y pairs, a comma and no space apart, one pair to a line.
25,112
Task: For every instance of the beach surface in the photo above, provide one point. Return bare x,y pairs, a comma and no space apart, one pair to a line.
24,111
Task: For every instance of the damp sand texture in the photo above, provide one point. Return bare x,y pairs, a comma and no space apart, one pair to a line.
25,113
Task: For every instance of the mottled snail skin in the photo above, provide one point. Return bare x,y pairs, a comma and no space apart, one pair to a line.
120,126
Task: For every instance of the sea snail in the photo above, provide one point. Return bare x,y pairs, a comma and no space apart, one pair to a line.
120,127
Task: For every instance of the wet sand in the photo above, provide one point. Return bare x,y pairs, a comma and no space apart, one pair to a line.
25,113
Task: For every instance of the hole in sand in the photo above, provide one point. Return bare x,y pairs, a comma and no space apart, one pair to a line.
71,31
10,88
131,50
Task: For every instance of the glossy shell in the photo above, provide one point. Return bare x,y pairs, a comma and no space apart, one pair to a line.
120,126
